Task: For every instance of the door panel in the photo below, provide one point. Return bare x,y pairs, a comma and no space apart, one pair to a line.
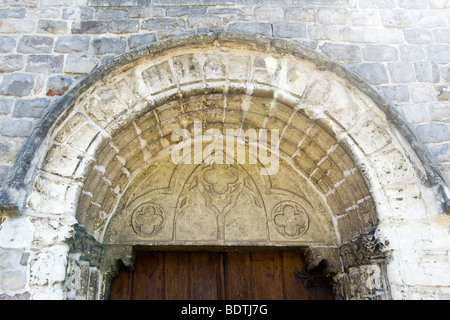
238,274
216,275
266,276
177,275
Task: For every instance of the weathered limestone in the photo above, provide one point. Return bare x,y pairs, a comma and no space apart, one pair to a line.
355,158
111,157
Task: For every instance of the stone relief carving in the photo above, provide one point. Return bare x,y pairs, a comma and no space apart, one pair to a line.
220,191
291,219
85,243
219,204
361,249
147,219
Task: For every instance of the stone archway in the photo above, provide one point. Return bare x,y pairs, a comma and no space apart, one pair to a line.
345,156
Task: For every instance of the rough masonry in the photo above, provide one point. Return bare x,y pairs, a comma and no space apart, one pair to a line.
398,48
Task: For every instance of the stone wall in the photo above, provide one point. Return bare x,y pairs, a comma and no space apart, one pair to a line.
399,47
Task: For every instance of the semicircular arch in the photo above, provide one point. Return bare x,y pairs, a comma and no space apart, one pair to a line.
347,145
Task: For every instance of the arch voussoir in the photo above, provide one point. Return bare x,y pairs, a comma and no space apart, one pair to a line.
104,158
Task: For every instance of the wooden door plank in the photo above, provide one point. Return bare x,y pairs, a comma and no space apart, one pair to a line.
177,275
148,279
204,276
121,286
266,275
237,276
207,275
294,289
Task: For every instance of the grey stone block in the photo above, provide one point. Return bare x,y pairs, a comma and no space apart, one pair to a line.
11,12
300,14
55,3
411,53
7,44
423,92
8,151
4,169
78,13
182,11
13,280
80,64
192,2
44,13
69,44
378,4
16,127
45,64
397,19
124,26
441,152
264,29
365,17
162,23
401,72
418,36
321,32
269,13
5,106
139,40
333,16
359,34
89,27
431,19
58,85
379,53
412,4
426,71
11,62
289,30
105,13
445,73
342,52
118,3
205,21
35,44
442,35
433,132
109,45
19,26
439,53
34,108
395,93
440,111
414,113
145,12
17,84
373,73
52,26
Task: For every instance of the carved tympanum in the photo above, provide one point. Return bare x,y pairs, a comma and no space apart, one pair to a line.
217,204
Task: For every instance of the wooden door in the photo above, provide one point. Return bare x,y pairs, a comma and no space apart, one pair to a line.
216,275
